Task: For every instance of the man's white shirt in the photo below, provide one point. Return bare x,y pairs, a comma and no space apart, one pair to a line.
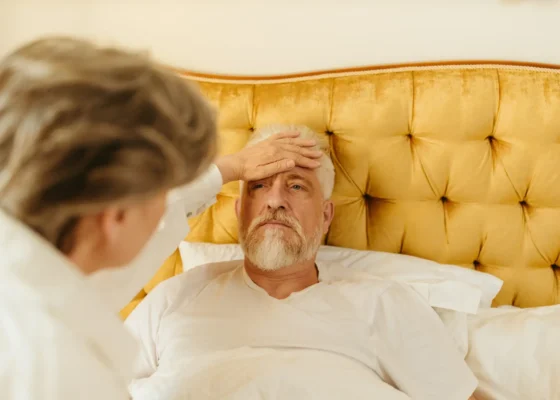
383,325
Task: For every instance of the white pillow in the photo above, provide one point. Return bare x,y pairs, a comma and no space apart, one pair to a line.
515,353
444,286
451,290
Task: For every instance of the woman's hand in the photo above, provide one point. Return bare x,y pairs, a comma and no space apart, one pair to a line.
279,153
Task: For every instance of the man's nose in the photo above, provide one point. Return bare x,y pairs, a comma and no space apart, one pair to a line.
276,197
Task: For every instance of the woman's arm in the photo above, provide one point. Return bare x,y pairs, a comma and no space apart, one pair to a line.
277,154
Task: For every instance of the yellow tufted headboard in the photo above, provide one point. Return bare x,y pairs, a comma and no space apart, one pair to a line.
455,163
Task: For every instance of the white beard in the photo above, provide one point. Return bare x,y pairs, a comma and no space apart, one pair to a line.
275,251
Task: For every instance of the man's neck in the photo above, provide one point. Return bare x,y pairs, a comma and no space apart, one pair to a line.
285,281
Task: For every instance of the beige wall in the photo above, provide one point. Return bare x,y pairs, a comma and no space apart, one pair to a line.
265,37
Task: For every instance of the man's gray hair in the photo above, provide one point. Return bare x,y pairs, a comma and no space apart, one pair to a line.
325,173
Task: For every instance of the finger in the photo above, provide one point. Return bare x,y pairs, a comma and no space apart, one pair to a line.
299,159
304,151
270,169
305,162
280,156
284,135
298,142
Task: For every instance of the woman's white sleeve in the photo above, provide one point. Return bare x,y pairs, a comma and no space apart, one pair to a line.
119,286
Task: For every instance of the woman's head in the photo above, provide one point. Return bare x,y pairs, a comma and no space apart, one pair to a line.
91,140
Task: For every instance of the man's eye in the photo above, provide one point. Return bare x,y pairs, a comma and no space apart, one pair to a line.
257,186
296,187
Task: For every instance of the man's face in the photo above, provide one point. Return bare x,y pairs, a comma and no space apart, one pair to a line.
282,218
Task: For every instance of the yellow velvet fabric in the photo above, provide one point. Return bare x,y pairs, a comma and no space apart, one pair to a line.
456,164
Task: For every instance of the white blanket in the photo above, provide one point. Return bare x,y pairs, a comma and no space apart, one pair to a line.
515,354
271,374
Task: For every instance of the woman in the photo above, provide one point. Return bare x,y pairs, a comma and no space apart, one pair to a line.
92,142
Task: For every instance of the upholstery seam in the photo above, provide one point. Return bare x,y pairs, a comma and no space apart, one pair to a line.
557,291
499,103
253,111
330,138
343,170
495,159
445,221
403,238
413,107
331,105
530,234
424,171
343,74
493,140
519,197
415,153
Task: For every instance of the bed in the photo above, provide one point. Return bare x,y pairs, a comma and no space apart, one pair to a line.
456,163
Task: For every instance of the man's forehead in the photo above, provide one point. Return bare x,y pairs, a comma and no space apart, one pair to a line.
298,172
302,172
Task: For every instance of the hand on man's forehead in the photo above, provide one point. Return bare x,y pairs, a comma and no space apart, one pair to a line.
306,174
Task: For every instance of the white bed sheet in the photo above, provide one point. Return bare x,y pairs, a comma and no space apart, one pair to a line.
271,374
515,353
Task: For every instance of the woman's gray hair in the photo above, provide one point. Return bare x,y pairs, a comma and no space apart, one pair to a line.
83,128
325,173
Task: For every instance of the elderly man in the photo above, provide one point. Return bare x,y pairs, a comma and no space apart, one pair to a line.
279,325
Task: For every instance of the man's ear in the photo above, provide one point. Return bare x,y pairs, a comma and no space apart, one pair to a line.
328,214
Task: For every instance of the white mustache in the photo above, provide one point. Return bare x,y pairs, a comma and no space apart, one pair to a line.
277,217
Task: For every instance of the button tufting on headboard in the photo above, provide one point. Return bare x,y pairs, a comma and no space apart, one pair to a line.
452,164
